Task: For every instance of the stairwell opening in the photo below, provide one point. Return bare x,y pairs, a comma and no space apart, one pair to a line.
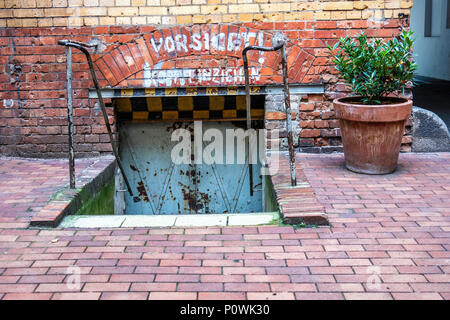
187,152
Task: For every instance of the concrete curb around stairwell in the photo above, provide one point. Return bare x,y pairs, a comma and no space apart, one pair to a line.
297,204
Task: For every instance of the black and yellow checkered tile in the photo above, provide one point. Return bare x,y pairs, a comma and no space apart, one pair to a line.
203,107
190,91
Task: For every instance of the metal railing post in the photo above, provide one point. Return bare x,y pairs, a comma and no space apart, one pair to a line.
82,47
70,117
287,106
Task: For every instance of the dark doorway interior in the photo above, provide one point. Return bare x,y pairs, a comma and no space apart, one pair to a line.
434,95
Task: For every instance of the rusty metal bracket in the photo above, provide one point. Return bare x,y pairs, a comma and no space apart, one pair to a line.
287,102
82,47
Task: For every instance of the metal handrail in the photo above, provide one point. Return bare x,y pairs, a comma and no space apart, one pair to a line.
82,47
287,102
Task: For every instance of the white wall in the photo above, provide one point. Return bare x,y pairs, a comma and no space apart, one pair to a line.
432,53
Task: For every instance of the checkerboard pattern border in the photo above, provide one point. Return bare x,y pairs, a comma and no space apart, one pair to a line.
199,107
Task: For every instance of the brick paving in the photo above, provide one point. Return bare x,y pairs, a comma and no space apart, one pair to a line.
390,239
27,185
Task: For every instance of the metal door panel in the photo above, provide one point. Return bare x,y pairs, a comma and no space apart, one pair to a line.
185,188
228,185
145,150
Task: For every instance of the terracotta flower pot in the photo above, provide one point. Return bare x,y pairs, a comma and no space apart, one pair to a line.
372,134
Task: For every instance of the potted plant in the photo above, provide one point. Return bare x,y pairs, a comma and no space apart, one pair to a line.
372,119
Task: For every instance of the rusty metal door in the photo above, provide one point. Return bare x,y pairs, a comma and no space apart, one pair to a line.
169,188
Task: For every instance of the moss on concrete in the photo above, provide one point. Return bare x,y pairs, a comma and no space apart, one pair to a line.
100,203
269,196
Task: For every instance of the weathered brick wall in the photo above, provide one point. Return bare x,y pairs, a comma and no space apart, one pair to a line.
32,66
77,13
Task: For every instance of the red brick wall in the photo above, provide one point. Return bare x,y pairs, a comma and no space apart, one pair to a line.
33,116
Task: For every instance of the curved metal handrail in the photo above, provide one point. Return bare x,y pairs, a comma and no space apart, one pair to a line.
287,102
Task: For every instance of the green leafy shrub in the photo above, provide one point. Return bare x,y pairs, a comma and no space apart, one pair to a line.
373,68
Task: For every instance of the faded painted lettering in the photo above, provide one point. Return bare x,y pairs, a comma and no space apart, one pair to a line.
207,76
